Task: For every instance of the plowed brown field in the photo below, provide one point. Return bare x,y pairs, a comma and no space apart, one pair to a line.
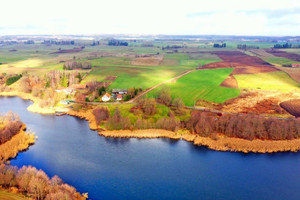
230,82
243,63
292,56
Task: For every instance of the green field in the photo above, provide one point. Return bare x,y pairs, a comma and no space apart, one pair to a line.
267,81
11,196
279,60
129,76
201,84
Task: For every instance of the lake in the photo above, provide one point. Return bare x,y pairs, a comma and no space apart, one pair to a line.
109,168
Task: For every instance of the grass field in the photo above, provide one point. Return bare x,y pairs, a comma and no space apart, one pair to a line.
267,81
201,84
11,196
279,60
143,76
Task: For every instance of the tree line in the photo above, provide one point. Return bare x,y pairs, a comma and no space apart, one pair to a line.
247,127
59,42
117,43
36,184
282,46
216,45
76,65
244,46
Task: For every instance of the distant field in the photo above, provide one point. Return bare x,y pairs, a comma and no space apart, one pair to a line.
201,84
134,76
11,196
144,76
267,81
279,60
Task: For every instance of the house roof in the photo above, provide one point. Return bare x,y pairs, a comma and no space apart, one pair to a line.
296,64
119,90
107,95
119,96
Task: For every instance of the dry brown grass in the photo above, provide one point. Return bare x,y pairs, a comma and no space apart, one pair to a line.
148,61
17,143
259,102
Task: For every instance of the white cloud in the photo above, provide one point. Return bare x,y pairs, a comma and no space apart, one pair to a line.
237,17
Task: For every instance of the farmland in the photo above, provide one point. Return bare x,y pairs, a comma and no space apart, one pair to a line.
146,63
267,81
201,84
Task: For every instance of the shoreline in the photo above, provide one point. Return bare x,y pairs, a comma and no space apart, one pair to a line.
34,107
221,143
18,143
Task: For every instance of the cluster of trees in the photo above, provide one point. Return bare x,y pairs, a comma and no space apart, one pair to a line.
101,114
172,47
29,42
57,78
8,42
95,43
59,42
10,125
243,126
12,79
283,46
36,184
132,92
244,46
146,106
118,122
117,43
217,45
167,123
77,65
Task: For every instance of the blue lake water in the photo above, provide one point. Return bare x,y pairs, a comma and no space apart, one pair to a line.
150,168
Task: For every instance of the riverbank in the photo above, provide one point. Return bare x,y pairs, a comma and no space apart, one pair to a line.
19,142
220,143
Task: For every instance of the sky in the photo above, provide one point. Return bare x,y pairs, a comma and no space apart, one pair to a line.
170,17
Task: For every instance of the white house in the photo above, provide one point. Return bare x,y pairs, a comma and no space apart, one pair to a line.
106,97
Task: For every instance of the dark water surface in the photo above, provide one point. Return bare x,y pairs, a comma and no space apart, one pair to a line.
150,168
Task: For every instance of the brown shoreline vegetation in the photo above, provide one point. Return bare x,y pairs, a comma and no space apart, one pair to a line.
19,142
218,142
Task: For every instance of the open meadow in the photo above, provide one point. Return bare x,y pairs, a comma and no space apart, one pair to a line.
201,84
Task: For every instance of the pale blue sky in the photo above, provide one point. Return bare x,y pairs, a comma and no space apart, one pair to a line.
191,17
